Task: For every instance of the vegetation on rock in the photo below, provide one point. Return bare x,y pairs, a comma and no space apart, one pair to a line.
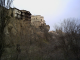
19,40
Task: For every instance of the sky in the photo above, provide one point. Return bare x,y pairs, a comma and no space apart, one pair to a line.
54,11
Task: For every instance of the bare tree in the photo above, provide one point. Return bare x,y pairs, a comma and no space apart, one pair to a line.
4,19
70,41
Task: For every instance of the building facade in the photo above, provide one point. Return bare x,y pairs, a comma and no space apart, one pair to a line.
20,14
37,20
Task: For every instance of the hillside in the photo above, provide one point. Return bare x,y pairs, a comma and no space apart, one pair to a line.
29,38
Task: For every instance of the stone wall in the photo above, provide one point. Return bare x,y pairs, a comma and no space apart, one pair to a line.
35,18
39,22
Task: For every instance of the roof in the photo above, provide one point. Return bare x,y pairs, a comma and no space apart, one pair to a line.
37,15
25,11
21,10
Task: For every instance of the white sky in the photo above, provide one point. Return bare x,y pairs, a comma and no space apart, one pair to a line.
52,10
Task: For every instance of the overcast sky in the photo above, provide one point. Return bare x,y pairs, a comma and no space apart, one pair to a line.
53,11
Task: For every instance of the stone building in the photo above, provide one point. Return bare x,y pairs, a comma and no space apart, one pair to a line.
14,12
20,14
37,20
25,15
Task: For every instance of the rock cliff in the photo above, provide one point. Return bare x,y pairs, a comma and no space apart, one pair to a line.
22,38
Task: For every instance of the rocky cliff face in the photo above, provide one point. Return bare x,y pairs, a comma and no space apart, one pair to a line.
23,37
16,26
21,31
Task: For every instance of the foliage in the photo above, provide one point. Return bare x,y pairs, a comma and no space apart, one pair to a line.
70,39
4,19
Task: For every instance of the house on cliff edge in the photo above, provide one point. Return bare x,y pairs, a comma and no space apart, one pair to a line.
20,14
